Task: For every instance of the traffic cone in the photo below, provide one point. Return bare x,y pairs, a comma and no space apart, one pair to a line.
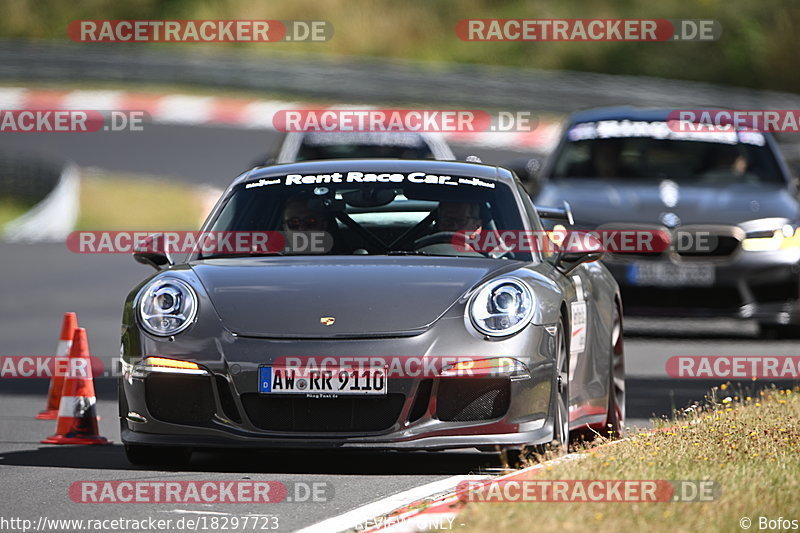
77,419
68,326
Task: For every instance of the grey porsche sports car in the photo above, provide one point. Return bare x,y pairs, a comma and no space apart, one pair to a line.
391,336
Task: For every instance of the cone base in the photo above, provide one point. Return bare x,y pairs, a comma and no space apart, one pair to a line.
47,415
61,439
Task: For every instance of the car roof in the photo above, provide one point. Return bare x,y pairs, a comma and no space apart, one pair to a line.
619,113
631,113
435,142
429,166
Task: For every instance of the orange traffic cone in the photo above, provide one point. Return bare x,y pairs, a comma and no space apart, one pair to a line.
68,326
77,419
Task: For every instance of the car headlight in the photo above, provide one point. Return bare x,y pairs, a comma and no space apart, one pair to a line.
167,306
770,241
502,307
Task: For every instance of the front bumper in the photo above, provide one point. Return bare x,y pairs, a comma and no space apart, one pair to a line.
224,409
751,285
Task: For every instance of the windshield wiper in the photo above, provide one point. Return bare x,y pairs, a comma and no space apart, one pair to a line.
407,252
428,254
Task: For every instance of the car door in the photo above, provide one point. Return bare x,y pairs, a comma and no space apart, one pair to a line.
588,368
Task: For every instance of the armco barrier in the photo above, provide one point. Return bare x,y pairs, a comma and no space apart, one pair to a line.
370,81
52,218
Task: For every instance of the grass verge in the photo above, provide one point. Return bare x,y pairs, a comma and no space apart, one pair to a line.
128,202
10,209
749,446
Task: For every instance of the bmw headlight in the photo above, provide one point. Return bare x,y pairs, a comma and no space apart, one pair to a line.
502,307
770,241
167,306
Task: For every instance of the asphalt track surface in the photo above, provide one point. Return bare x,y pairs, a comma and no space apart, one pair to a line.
38,283
211,155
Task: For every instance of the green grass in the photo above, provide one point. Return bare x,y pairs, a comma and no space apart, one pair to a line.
125,202
749,446
11,209
757,47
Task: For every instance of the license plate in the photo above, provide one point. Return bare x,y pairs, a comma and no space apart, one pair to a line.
657,274
345,381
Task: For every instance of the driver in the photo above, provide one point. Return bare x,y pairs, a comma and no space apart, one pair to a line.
728,160
463,219
297,216
606,158
459,217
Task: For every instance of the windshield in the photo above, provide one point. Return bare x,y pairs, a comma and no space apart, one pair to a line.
651,152
363,145
362,151
376,214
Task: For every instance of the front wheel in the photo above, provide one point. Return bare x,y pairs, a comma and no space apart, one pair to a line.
559,443
561,437
615,419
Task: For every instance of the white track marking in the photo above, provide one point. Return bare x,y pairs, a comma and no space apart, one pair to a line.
385,506
97,100
12,97
184,109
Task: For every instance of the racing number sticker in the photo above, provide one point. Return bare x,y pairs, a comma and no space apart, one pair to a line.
578,340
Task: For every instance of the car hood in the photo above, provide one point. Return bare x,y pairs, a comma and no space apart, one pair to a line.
366,295
594,203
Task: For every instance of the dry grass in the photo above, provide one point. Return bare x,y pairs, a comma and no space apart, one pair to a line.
749,446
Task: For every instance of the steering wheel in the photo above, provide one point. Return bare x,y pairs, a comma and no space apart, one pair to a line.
442,237
437,244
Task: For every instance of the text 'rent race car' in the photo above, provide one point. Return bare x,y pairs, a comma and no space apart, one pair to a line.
390,336
726,197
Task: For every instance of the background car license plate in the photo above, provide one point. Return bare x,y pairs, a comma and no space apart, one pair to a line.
350,381
660,274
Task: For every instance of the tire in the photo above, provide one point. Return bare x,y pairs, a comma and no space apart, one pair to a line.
158,455
559,444
561,437
614,426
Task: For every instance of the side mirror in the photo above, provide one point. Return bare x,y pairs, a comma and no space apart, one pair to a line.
154,252
566,262
529,172
575,252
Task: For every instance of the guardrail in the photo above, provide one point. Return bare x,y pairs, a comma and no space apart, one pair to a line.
376,80
51,188
369,80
